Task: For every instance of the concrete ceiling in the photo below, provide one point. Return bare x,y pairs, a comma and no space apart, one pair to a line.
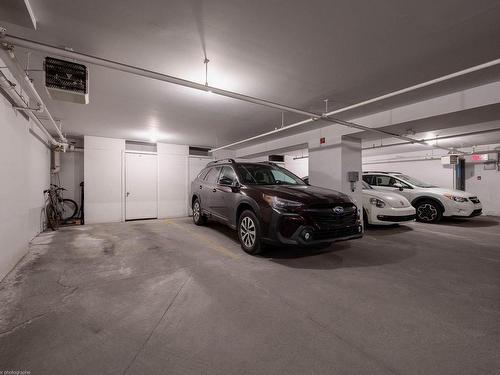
296,53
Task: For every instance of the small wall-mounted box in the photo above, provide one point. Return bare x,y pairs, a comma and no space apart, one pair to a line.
449,160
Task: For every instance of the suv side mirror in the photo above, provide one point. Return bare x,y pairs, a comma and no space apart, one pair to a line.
399,186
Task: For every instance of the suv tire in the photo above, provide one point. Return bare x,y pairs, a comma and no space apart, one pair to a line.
365,219
198,217
429,211
249,232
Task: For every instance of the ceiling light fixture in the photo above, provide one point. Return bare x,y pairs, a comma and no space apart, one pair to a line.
153,136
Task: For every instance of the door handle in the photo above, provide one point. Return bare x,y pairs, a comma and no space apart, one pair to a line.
214,190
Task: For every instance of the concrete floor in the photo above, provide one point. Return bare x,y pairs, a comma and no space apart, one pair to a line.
166,297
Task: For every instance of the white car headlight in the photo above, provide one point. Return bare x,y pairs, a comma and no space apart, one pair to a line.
377,202
280,203
455,198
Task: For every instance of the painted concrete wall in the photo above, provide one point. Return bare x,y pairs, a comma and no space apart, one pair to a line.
71,175
487,188
25,171
425,165
299,167
329,166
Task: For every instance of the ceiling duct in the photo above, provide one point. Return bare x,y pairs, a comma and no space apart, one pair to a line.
66,80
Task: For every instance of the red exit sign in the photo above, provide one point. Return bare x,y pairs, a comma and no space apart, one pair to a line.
479,157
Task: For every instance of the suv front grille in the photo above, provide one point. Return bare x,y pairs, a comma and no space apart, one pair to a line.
474,199
326,219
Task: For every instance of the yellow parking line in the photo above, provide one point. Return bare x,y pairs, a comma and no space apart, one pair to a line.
214,245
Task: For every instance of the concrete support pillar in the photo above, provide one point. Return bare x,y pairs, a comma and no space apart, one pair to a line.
330,163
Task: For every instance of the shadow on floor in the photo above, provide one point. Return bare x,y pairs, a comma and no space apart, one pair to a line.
387,230
475,222
355,253
351,254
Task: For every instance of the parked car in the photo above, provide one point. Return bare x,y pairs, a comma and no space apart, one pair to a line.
384,208
266,203
431,202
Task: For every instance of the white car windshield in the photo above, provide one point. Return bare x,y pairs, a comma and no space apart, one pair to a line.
414,181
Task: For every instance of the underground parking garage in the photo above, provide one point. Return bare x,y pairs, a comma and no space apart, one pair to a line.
210,188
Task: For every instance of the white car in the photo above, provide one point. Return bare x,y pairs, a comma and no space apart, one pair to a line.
431,202
384,208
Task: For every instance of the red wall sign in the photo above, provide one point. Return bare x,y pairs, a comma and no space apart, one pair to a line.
322,140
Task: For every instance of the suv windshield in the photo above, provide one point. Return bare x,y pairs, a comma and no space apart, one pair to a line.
262,174
414,181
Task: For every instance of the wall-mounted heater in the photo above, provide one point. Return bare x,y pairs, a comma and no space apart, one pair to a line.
66,80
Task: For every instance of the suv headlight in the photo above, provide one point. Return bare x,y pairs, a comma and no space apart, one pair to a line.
455,198
280,203
377,202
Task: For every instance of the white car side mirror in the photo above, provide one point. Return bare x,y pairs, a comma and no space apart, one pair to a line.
399,186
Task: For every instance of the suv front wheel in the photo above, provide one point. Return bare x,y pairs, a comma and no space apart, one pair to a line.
249,233
429,211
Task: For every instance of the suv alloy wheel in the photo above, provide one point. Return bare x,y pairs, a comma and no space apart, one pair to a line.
429,212
249,233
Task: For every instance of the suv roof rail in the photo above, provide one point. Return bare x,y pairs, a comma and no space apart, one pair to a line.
268,162
381,172
228,160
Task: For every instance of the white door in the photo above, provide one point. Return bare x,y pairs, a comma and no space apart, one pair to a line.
141,186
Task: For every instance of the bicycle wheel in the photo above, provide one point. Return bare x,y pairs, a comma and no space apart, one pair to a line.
52,217
69,208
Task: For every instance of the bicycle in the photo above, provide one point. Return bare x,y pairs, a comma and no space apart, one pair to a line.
57,208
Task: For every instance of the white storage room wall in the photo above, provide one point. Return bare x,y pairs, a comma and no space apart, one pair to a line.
173,180
103,176
25,171
104,179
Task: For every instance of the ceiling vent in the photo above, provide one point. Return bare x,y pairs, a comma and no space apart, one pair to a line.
277,158
66,80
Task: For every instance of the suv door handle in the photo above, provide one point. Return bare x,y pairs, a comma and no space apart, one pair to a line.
214,190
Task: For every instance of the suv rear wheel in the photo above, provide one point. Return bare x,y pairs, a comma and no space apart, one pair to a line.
198,217
249,233
429,211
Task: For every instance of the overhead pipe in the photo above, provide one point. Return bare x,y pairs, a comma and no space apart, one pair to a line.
16,97
35,45
435,138
422,158
21,108
8,57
